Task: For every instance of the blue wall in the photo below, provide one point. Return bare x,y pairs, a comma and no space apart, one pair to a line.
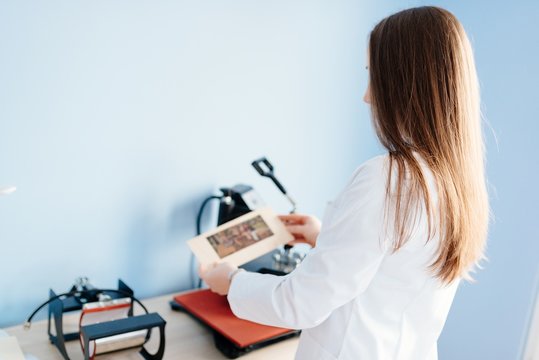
118,118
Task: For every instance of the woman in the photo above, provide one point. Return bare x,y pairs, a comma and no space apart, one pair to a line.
410,224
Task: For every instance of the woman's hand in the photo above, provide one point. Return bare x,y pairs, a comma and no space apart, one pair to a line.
305,228
217,276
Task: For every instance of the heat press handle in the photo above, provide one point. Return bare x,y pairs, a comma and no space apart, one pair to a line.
259,168
267,173
257,164
279,185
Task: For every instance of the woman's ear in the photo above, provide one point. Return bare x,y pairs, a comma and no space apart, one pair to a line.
367,96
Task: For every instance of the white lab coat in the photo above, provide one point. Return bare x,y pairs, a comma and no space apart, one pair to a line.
352,296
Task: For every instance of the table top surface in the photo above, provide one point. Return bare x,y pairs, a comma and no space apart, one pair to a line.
185,339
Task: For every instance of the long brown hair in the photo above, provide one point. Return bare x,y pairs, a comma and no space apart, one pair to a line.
425,107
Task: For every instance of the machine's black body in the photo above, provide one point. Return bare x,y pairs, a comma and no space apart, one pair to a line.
232,204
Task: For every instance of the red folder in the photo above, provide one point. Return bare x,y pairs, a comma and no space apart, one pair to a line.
214,311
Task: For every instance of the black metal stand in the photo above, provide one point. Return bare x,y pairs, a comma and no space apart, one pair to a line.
232,351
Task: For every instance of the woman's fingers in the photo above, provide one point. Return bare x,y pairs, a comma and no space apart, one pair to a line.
305,228
296,229
216,276
299,241
203,270
293,218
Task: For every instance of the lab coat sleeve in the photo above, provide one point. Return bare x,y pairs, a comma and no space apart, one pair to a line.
349,251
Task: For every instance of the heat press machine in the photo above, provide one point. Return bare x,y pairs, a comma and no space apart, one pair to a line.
106,324
233,336
241,199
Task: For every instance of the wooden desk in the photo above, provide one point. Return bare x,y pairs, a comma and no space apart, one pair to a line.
185,339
